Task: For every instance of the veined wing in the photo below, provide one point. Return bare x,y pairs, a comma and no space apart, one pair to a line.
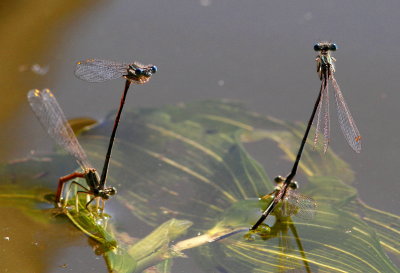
323,116
346,121
299,205
94,70
53,120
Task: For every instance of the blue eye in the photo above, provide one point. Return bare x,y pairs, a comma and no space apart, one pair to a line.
138,71
333,47
317,47
153,69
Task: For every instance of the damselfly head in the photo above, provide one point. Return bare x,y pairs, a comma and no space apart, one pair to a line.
153,69
325,46
104,193
150,70
111,190
280,179
140,74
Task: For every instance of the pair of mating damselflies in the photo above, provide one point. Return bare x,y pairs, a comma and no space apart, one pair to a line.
53,120
325,70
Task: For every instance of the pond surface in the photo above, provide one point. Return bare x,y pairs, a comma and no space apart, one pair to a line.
258,52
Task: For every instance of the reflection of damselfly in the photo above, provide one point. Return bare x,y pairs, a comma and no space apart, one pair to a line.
293,203
326,70
95,70
50,114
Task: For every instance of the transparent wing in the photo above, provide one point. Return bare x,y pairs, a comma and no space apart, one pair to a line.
52,118
318,127
299,205
325,110
94,70
323,117
346,121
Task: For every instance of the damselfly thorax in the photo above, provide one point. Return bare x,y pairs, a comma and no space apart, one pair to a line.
325,65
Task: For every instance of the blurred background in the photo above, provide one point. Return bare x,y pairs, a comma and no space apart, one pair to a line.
258,52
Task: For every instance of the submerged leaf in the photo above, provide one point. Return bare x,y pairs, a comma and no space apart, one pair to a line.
188,162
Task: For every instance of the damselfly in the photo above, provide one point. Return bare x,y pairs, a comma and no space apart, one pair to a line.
94,70
52,118
326,72
293,203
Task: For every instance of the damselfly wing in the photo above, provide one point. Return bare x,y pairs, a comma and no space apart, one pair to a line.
52,118
326,72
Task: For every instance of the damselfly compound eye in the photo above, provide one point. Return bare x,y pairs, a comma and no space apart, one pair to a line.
317,47
112,191
294,185
153,69
333,47
279,179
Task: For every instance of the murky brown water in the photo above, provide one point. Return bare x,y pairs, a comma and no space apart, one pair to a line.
260,52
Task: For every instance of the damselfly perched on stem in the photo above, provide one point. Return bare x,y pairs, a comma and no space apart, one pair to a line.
286,197
52,118
95,70
326,72
293,203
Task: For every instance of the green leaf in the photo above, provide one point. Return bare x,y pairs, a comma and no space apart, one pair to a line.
149,251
